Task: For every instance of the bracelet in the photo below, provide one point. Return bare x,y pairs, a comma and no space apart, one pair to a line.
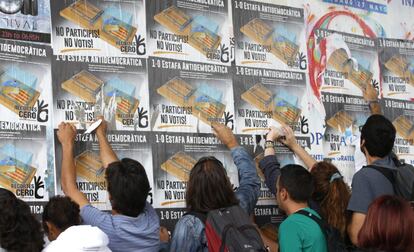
269,144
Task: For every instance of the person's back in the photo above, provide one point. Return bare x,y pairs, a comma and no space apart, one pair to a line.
126,233
62,224
209,188
298,232
301,231
133,224
377,141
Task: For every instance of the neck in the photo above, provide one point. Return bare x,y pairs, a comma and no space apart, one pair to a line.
293,207
371,159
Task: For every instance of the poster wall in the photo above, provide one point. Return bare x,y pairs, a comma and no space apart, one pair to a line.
160,72
26,146
25,20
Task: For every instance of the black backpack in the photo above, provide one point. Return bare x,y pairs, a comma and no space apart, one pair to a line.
230,230
402,178
332,235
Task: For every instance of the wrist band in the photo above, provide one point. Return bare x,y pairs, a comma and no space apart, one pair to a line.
269,144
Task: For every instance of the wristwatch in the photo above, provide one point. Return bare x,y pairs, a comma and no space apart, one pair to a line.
26,7
269,144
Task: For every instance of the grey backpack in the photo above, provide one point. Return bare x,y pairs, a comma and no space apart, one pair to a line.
401,178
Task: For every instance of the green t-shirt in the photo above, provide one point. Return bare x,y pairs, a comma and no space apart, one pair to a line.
301,233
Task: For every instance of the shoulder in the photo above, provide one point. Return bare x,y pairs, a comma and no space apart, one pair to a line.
189,220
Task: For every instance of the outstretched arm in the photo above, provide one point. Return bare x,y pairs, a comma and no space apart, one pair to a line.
108,156
371,96
249,182
290,141
66,135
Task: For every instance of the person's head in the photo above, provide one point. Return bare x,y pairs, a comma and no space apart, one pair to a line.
209,187
128,186
377,136
332,194
19,230
388,226
294,185
59,214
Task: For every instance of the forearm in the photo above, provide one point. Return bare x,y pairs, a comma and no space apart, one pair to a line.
249,183
271,169
303,155
108,156
68,173
246,167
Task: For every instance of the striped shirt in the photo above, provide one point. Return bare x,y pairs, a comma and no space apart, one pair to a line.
126,234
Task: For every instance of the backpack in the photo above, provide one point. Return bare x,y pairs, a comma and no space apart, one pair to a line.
230,230
332,235
402,178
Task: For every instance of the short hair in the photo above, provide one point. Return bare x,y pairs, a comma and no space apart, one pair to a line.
388,225
379,135
297,181
209,187
128,186
62,212
19,229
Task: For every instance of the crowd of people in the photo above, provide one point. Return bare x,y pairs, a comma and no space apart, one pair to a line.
323,213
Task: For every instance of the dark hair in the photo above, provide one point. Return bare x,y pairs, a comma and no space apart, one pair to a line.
209,187
332,196
297,181
379,135
62,212
128,186
388,226
19,229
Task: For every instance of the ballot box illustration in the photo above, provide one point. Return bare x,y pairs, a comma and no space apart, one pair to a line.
283,106
111,29
179,165
84,85
400,66
201,31
340,121
17,89
15,167
204,101
89,167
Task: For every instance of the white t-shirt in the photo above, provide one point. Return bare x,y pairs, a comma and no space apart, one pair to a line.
80,238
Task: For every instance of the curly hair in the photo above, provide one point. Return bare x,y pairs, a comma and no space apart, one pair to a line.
332,196
19,230
62,212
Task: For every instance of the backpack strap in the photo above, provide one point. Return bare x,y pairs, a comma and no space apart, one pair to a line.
321,223
312,216
388,173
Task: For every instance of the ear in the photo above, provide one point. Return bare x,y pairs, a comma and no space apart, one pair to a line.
283,194
54,231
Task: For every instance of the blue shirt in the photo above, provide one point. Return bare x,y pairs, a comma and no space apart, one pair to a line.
126,233
189,234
